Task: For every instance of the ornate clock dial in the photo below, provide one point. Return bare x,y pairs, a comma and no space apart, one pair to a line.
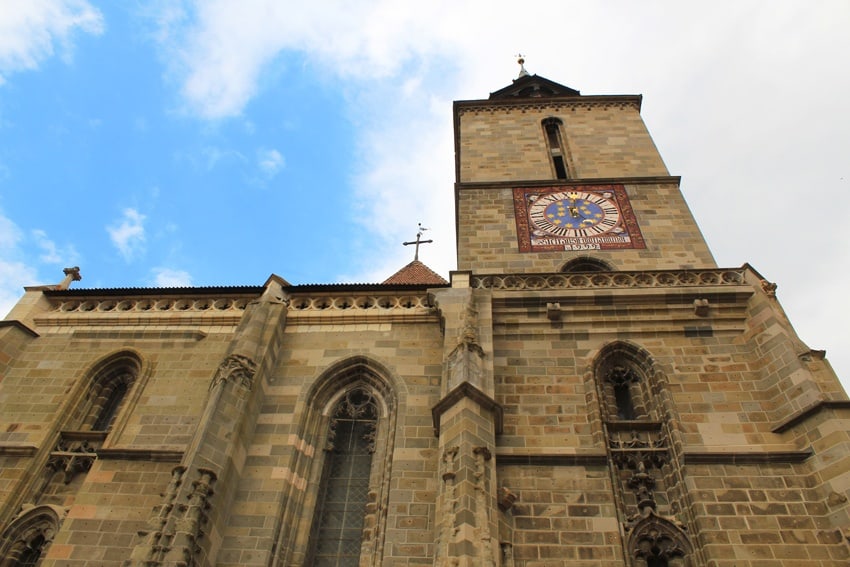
575,214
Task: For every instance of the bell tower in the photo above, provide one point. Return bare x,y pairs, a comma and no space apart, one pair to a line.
550,180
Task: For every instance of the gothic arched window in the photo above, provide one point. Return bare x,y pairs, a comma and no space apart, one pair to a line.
351,411
105,395
26,539
657,542
343,496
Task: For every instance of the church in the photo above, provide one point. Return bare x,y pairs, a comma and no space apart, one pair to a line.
588,388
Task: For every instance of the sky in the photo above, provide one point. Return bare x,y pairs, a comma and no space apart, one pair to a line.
180,143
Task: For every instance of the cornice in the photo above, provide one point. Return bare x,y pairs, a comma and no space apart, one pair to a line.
810,411
467,390
510,184
15,324
555,102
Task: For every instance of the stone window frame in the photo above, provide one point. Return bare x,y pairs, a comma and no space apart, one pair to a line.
656,538
35,525
94,408
553,133
344,412
623,370
321,401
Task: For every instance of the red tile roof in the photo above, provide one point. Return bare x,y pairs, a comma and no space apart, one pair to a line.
416,273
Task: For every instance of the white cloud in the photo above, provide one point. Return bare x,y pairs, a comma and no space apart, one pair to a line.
29,30
11,276
51,254
128,233
12,270
168,277
270,162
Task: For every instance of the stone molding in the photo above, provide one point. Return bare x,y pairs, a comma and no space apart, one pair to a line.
550,104
745,457
573,182
14,323
467,390
808,412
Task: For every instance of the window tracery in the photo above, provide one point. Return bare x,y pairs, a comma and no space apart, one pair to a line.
25,541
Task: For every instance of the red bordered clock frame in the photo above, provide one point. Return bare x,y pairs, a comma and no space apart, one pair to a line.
533,238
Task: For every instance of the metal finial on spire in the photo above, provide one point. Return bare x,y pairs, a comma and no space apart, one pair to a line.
521,61
418,241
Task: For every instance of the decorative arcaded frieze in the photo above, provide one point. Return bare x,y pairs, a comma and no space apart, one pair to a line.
367,303
602,280
150,305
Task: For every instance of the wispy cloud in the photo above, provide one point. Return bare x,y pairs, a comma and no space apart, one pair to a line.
52,254
13,271
217,50
270,162
169,277
30,30
128,233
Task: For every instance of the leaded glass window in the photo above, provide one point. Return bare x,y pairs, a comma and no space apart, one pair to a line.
341,504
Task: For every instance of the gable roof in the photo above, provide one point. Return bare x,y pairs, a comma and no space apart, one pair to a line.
533,86
416,273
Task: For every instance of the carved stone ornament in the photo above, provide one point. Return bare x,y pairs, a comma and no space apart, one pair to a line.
769,288
236,368
30,532
654,537
620,375
505,499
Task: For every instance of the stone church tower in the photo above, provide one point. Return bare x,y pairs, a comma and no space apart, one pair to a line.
588,389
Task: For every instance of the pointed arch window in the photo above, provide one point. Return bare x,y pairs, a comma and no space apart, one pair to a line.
25,541
657,542
555,142
341,506
106,394
352,413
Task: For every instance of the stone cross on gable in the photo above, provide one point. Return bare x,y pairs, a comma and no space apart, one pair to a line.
418,241
71,275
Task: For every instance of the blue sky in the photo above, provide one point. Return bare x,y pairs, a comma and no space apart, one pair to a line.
214,143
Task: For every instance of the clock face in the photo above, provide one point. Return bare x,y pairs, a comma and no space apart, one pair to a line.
575,214
586,217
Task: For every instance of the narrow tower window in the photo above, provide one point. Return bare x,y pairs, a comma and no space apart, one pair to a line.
552,126
625,406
